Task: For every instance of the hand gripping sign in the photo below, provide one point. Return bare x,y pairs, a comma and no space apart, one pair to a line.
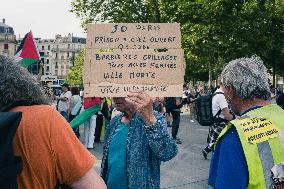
129,57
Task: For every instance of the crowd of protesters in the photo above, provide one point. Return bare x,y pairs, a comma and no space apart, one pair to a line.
134,130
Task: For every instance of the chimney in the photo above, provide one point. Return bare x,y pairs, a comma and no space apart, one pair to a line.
3,20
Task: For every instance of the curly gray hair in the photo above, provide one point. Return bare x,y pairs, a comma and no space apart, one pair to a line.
248,76
16,84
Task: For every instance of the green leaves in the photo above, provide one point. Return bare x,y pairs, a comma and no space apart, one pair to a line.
75,76
212,30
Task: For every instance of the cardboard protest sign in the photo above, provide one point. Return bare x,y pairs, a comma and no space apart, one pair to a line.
134,36
127,57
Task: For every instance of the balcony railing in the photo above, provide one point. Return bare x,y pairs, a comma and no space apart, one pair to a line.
66,49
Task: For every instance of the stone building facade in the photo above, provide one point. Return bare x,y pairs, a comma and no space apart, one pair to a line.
57,56
7,40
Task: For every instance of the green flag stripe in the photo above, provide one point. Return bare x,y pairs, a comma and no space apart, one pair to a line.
25,62
84,116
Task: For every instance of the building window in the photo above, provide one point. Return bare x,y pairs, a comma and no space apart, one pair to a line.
56,55
47,68
42,60
42,47
62,66
6,37
62,73
6,46
68,46
62,57
47,61
68,55
67,66
47,54
6,30
56,65
48,47
56,72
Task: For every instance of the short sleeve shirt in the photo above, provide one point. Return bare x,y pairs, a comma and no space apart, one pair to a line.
219,102
77,105
49,149
64,105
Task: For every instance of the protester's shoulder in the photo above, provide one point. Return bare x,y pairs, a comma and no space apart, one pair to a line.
113,124
68,93
230,141
115,119
219,94
158,115
35,109
38,116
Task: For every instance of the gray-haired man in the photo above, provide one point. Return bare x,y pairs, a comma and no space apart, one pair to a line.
250,149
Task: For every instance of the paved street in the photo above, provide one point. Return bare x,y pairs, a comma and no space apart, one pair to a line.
188,170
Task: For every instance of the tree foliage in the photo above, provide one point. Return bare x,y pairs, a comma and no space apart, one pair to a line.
214,31
75,76
119,11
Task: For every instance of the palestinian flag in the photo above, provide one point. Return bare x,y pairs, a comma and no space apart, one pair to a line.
27,53
85,116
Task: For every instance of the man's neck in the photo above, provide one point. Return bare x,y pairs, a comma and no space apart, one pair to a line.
246,105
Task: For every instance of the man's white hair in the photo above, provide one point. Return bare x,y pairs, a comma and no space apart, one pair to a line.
248,76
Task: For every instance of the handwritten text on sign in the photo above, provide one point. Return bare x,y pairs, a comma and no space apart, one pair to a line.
258,130
134,36
120,90
129,57
136,66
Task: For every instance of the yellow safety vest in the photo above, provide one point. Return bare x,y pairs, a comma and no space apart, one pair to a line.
261,132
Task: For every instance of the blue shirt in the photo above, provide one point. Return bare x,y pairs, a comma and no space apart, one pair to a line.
116,174
146,148
228,169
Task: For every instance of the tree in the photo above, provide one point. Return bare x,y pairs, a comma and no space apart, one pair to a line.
213,31
75,76
116,11
218,31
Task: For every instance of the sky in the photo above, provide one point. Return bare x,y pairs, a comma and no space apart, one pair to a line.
45,18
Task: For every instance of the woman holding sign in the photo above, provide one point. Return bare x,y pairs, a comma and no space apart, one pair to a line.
136,141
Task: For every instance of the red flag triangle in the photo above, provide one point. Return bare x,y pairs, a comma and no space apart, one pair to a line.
29,49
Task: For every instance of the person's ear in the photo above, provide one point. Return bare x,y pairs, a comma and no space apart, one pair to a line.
229,93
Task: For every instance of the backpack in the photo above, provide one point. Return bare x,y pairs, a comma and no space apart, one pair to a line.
170,104
204,110
10,165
